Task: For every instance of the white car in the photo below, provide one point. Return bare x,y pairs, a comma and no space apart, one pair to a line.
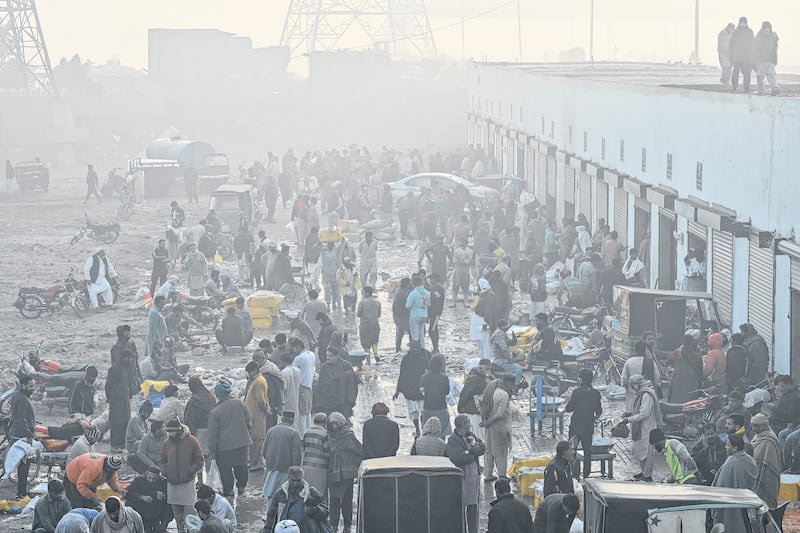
438,181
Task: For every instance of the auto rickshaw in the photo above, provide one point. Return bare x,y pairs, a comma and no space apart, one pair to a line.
232,204
410,493
614,506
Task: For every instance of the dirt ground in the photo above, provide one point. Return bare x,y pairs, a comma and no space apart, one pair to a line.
37,228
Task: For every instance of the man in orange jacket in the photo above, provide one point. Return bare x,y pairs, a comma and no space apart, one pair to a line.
87,472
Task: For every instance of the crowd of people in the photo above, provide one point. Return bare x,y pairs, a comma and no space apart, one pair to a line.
741,52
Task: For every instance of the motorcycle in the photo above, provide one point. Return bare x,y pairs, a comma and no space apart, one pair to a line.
114,282
686,420
105,233
33,302
203,312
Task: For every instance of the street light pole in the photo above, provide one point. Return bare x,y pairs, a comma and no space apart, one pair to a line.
519,31
591,31
696,53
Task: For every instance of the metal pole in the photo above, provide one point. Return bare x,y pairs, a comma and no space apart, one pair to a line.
697,31
519,30
591,32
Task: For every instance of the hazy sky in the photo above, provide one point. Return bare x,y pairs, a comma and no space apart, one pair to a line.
625,29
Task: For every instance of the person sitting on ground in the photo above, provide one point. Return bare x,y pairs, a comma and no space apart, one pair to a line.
220,506
232,331
709,453
431,442
148,453
558,474
682,466
501,353
50,508
116,517
85,444
147,495
206,521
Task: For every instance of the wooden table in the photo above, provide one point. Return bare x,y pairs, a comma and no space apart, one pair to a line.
603,458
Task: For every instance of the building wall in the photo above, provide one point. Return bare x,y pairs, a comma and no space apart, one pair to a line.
658,136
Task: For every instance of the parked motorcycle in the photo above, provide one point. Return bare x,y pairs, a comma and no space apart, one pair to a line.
105,233
114,282
687,419
34,302
204,312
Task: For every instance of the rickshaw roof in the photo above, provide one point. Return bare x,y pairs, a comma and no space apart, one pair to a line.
670,495
234,188
674,294
408,464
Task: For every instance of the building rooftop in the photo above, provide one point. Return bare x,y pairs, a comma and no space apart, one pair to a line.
675,75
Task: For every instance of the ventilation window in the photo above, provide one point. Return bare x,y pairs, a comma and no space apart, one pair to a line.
622,150
699,177
542,125
603,148
644,159
669,166
569,135
585,141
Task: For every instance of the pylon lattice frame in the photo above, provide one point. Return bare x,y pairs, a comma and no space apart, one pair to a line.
22,45
319,25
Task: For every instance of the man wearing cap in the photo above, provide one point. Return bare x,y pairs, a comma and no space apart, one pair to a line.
147,495
181,460
681,464
85,444
767,454
87,472
282,450
97,272
644,418
229,438
148,452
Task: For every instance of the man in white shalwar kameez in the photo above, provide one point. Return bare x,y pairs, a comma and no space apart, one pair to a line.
97,271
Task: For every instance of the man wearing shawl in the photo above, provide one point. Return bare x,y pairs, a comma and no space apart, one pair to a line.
767,454
345,460
281,451
117,518
197,270
644,418
739,471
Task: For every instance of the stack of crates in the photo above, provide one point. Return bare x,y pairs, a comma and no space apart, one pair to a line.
264,308
349,230
327,235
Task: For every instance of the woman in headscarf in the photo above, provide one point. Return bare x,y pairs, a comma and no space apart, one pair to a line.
431,442
345,460
484,318
195,415
687,376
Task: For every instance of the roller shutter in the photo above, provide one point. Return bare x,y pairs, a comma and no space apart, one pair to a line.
722,273
569,184
551,176
761,290
586,196
796,273
541,179
698,230
602,201
621,215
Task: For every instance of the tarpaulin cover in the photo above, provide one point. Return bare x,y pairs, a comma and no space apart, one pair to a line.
410,493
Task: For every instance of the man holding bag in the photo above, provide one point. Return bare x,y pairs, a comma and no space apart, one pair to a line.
644,418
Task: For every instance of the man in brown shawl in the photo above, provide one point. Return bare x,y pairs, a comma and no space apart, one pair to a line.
767,454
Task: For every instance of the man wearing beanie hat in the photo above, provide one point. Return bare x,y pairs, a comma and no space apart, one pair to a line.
741,51
767,454
181,460
229,438
86,473
474,386
681,464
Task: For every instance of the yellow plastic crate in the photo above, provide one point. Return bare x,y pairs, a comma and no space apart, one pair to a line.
327,235
527,477
269,299
528,462
226,304
262,323
790,488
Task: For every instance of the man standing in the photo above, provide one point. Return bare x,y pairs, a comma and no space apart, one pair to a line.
682,466
181,460
738,472
645,417
464,450
229,438
496,411
474,386
556,514
156,327
767,455
439,254
329,266
368,251
50,508
369,329
345,460
741,50
632,269
92,186
558,474
380,435
118,396
724,52
97,272
124,342
765,56
282,450
82,398
349,283
412,368
316,453
463,258
586,407
508,515
311,309
337,388
305,361
196,271
190,181
21,426
435,310
400,314
418,301
9,177
160,266
257,404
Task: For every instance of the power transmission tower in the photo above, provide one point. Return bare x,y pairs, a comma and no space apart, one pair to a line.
24,61
396,26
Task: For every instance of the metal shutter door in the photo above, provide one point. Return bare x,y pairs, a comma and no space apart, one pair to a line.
761,291
569,183
621,215
722,273
586,196
698,230
796,274
551,177
541,177
602,201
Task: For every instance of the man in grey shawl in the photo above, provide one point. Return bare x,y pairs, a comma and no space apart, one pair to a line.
197,271
739,471
645,416
463,450
767,454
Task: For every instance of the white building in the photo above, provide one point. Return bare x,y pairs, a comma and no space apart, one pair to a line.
660,148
